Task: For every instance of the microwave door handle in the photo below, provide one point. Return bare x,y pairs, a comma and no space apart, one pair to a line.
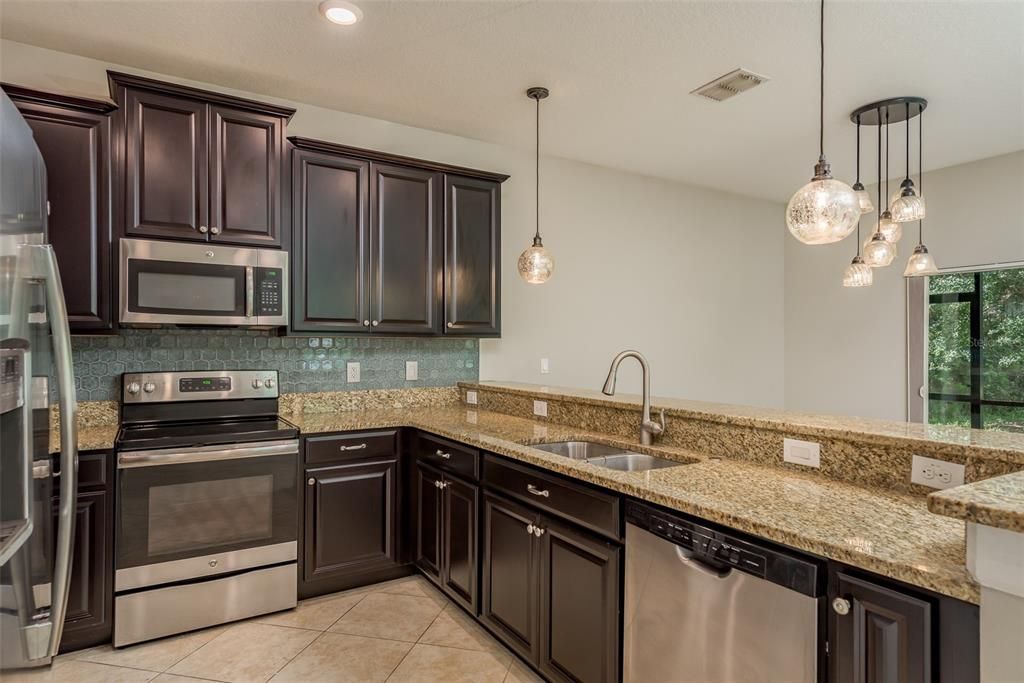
250,291
42,263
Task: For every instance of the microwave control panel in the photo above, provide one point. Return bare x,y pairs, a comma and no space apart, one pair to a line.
269,290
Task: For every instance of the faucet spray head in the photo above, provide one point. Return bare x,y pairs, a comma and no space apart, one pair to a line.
609,384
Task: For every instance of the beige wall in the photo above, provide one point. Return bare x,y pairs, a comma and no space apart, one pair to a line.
846,348
691,277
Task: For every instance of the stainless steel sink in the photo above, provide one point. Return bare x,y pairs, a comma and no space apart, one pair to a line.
578,450
611,457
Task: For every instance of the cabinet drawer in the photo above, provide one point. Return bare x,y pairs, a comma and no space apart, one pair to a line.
578,503
322,449
449,456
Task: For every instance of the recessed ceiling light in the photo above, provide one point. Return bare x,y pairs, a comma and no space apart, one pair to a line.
340,12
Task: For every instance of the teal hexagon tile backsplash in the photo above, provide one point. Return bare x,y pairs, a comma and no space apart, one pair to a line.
304,364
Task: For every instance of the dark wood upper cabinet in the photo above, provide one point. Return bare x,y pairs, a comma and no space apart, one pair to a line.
245,187
199,164
472,256
351,518
405,239
73,136
579,605
885,637
330,250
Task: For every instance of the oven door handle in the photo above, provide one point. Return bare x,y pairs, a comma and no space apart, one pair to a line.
176,456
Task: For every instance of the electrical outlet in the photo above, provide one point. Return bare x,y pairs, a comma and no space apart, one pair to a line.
471,398
545,367
540,408
412,370
353,371
936,474
806,453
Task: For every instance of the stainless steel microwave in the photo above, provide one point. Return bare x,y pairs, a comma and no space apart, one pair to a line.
177,283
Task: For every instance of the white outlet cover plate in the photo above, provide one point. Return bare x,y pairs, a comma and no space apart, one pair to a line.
471,398
806,453
412,370
352,371
540,408
545,367
936,474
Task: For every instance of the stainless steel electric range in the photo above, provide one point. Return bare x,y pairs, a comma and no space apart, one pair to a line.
207,518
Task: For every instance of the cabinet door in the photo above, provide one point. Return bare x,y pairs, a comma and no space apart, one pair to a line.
405,271
76,149
166,186
509,591
350,518
579,605
330,250
472,256
459,564
90,595
885,637
428,520
245,187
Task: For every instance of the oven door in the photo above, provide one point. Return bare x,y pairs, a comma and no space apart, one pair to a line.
204,511
176,283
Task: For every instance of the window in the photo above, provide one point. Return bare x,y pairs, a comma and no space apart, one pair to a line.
975,353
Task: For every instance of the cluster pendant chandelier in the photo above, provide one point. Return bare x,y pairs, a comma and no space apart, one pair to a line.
536,264
827,210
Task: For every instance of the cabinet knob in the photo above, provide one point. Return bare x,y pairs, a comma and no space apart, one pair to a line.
375,323
203,229
366,323
529,528
841,606
215,230
538,532
311,481
437,484
451,324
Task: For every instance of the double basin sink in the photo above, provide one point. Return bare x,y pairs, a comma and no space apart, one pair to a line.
610,457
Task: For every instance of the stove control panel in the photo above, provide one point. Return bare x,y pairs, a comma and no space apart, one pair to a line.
211,385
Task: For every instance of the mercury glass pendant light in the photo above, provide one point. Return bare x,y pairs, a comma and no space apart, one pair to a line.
535,263
909,206
858,273
824,210
920,262
862,195
878,251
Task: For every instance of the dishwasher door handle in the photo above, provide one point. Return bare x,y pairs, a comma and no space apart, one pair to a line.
691,560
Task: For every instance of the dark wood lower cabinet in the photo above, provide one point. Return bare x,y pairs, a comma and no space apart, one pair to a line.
428,521
884,638
579,605
350,521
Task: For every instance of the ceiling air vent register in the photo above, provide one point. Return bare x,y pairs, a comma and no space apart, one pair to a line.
730,85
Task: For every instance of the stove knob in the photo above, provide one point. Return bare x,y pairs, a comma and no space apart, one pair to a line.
133,388
257,383
149,387
268,383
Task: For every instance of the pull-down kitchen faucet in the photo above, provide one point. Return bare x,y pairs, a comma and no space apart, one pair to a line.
648,427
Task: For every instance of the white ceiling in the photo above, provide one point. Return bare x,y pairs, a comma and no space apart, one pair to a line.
619,72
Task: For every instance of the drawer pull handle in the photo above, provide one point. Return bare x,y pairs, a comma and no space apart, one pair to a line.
538,532
530,528
841,606
357,447
442,454
538,492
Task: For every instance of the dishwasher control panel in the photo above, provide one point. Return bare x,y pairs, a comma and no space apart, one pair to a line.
724,550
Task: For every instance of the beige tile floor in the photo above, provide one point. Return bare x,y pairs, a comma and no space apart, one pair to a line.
403,630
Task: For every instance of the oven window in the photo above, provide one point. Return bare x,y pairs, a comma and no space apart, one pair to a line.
210,514
186,292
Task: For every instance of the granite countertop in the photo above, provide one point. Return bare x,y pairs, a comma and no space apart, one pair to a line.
996,502
886,532
889,533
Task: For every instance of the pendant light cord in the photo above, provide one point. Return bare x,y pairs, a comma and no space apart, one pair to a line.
879,170
886,158
821,80
920,169
536,235
908,141
858,149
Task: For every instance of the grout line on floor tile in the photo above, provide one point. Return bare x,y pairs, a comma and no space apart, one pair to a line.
342,615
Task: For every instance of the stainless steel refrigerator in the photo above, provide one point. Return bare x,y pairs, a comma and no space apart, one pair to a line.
37,491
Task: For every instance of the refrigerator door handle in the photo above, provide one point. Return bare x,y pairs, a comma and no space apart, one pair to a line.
45,266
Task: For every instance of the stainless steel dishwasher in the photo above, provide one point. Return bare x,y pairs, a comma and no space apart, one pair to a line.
703,605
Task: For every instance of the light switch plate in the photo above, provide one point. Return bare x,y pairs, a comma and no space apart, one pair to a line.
471,398
936,474
806,453
545,367
540,408
412,370
352,369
